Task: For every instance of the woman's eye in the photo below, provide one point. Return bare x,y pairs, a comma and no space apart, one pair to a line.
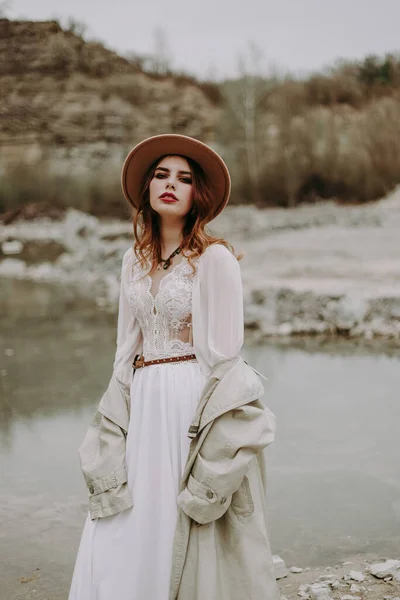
160,175
186,180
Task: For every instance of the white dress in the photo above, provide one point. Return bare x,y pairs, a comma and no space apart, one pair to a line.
128,556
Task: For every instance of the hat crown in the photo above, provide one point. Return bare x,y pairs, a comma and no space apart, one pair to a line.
144,154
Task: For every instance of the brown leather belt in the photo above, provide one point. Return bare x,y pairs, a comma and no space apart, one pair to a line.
140,362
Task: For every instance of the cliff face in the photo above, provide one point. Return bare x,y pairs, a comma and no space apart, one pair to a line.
71,102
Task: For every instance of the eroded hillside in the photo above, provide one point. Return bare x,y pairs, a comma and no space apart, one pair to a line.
61,92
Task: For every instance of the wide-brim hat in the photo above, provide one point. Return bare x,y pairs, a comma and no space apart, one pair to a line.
144,154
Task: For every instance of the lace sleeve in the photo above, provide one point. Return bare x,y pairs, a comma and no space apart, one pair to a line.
129,335
218,323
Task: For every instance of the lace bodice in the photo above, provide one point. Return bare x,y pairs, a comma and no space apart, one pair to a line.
209,302
166,318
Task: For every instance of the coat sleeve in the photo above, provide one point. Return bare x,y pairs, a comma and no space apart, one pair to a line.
238,435
102,452
233,440
217,308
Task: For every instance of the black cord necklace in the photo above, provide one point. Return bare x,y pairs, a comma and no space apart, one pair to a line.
167,261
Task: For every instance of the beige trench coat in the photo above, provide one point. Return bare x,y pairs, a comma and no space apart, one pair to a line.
221,549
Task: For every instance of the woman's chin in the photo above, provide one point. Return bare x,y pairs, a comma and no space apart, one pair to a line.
169,210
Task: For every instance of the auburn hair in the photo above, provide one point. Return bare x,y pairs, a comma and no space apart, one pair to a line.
195,236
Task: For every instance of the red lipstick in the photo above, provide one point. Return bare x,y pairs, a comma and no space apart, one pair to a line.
168,197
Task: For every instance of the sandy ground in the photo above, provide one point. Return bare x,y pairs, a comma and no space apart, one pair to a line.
315,269
36,586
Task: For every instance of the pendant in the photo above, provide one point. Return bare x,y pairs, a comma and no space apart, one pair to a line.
167,261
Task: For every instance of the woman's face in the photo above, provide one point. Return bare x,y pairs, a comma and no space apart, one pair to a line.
171,189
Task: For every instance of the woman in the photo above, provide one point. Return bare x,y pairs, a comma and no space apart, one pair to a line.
180,315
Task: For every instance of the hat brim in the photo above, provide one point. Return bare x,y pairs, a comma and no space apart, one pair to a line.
142,156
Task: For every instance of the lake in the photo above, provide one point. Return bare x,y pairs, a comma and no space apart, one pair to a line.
334,469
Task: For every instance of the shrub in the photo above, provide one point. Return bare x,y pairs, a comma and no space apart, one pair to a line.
98,192
60,54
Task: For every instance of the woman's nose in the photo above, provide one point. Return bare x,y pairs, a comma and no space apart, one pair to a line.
170,183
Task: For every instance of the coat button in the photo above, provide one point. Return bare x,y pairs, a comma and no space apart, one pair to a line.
223,500
210,494
91,489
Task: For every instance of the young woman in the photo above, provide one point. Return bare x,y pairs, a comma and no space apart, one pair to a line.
180,314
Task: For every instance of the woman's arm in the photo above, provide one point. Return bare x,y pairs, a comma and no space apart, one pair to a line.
218,324
129,336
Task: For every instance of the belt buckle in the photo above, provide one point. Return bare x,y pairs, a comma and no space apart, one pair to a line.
138,361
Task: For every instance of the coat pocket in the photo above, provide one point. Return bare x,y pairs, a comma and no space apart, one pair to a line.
242,501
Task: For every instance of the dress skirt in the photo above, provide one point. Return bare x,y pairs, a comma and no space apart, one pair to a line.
128,556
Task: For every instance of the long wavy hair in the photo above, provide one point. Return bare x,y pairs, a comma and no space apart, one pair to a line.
146,221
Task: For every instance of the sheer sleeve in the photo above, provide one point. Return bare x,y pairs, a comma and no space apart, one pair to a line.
129,335
217,308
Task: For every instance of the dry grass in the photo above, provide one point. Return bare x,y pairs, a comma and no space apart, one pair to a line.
287,141
334,135
98,193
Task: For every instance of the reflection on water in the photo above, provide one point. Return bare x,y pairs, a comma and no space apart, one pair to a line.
334,472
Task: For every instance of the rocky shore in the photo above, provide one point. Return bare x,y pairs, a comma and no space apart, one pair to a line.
320,269
354,579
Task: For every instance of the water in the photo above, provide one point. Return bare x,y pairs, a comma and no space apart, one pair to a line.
334,470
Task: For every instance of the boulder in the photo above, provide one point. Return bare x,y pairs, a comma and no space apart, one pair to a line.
280,567
12,247
296,570
385,569
356,576
319,591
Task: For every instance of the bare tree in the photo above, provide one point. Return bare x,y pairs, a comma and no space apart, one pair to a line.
244,99
162,54
211,73
78,28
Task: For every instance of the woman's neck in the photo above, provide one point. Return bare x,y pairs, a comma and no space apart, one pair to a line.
171,238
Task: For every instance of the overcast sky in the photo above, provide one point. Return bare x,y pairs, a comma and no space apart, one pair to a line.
206,36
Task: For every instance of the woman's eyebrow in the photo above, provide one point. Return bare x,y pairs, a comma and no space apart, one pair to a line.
167,171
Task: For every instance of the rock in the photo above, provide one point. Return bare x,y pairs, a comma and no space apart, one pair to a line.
355,589
285,329
356,576
79,227
327,578
280,567
319,591
12,247
330,580
348,597
296,570
385,569
13,267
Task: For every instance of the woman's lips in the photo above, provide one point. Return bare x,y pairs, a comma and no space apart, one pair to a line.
168,198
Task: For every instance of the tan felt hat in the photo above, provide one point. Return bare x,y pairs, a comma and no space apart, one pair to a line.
142,156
